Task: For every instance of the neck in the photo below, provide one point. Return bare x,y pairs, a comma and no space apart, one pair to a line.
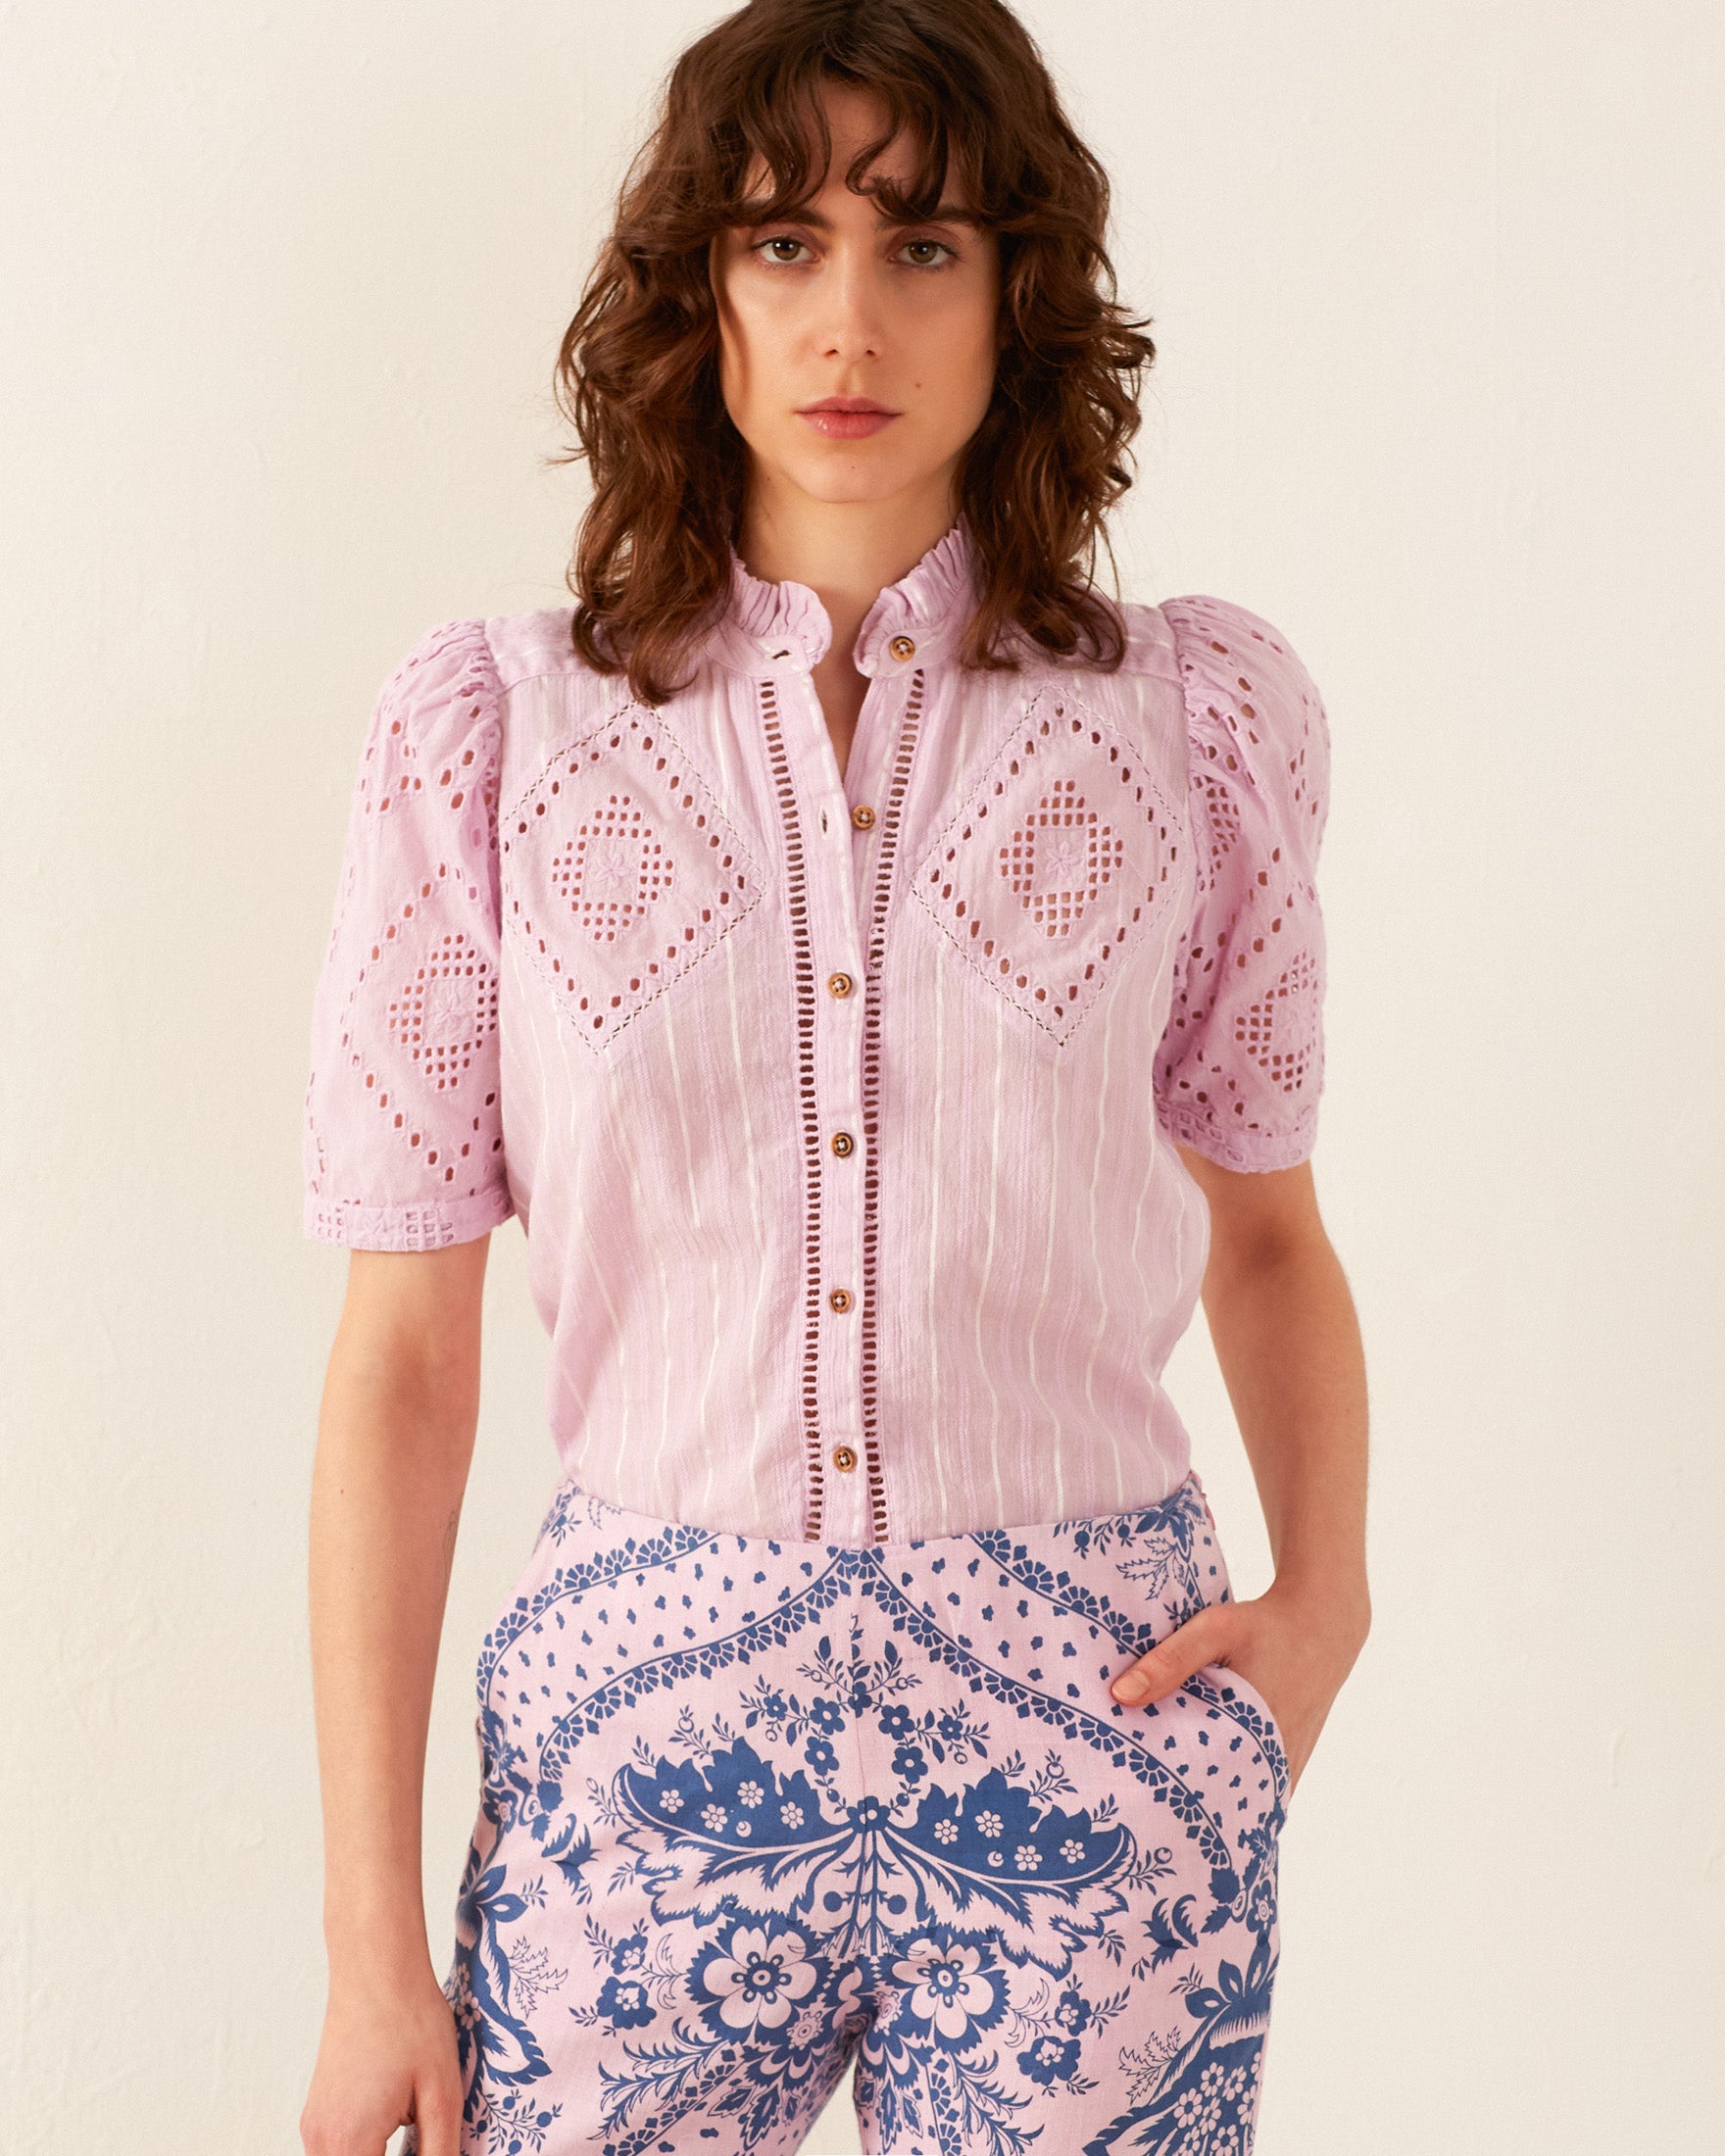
847,553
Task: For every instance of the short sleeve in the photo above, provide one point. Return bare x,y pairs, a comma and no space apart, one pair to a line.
1241,1062
402,1133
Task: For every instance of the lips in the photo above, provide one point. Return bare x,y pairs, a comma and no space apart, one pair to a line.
847,418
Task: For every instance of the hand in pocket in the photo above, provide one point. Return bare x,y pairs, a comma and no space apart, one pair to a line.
1277,1645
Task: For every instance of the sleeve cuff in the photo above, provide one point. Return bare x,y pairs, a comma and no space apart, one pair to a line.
1249,1152
431,1227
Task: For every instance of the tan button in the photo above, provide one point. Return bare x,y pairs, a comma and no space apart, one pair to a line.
844,1459
862,817
902,647
841,1299
839,984
843,1144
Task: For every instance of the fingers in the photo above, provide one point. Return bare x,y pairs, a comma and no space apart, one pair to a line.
437,2119
1199,1639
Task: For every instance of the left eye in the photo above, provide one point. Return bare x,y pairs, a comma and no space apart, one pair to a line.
924,252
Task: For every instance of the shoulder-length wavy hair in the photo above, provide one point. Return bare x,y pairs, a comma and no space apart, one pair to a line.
637,374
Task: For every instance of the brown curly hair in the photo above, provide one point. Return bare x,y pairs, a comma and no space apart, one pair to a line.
637,374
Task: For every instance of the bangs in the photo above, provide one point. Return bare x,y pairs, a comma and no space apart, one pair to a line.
783,134
754,126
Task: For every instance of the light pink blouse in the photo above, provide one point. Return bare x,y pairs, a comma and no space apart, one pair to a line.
839,1112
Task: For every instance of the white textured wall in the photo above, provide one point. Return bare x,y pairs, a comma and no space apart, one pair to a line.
1437,289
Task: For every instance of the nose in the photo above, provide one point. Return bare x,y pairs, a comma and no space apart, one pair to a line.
853,329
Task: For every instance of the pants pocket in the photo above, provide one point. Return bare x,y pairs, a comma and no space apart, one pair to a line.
1247,1705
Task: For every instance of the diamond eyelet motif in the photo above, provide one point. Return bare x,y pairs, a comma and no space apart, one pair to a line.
621,873
1062,859
1280,1030
422,1008
1059,858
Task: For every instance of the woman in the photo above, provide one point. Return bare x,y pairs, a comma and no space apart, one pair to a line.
887,974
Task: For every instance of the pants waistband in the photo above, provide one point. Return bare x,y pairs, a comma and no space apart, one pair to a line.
572,1503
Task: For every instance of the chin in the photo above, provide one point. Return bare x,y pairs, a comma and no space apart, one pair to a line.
851,479
857,492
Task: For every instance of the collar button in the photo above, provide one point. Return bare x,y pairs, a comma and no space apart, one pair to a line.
902,649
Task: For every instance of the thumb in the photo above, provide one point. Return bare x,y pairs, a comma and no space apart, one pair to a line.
1199,1639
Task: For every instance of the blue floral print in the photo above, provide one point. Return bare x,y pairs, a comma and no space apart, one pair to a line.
754,1810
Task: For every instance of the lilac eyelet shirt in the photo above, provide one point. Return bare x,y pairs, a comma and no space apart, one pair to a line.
840,1112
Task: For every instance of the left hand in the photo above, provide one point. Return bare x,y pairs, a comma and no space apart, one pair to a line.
1296,1649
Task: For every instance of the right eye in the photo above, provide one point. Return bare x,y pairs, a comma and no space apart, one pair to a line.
781,247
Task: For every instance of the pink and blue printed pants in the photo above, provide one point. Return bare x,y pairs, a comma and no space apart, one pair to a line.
750,1809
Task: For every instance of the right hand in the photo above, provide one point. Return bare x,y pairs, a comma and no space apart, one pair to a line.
386,2058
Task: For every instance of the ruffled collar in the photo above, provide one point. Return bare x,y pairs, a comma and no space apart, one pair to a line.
767,627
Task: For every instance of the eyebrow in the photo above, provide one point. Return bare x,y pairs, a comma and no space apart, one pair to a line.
949,213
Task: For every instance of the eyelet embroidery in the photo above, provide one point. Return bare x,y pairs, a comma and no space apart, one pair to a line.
1281,1028
1221,818
1062,859
622,872
879,906
389,766
438,994
797,905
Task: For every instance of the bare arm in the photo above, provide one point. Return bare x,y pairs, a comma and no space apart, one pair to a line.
1288,1341
395,1439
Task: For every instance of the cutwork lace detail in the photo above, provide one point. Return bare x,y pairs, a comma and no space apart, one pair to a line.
1278,1030
389,775
888,851
1042,881
1252,976
1221,818
439,995
803,957
625,873
421,1014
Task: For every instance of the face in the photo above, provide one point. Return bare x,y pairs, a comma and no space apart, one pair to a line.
856,355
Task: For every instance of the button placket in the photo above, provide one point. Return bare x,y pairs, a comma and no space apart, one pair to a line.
837,922
836,931
840,1089
897,753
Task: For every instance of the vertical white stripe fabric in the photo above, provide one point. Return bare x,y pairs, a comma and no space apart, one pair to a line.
588,966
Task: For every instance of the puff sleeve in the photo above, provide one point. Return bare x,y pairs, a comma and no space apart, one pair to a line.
402,1144
1240,1066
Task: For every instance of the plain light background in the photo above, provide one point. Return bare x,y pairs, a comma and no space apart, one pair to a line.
1438,291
